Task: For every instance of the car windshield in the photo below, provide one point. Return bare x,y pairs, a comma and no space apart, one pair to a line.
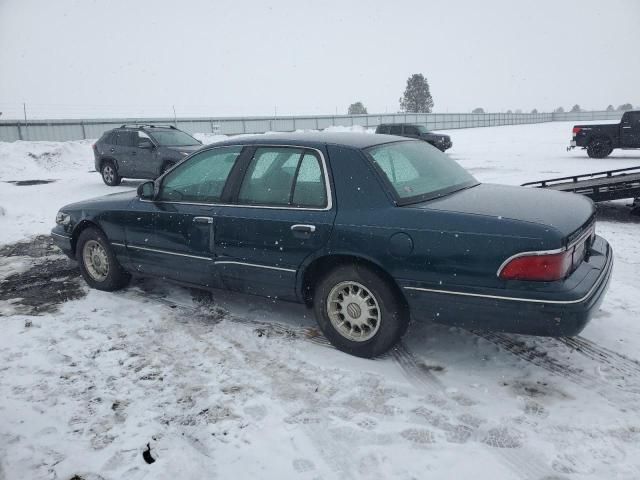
173,138
423,129
417,171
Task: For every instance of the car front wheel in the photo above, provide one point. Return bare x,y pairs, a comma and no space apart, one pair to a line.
110,174
359,311
98,264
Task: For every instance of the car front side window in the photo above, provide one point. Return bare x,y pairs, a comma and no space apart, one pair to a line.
202,178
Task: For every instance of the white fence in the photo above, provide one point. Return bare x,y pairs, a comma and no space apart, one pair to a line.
62,130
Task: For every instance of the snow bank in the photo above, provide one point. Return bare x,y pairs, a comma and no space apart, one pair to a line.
23,160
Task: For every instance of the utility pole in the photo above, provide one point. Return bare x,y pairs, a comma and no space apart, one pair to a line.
24,109
175,119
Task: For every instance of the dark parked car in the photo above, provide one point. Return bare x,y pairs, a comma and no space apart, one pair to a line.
140,151
367,229
441,142
601,140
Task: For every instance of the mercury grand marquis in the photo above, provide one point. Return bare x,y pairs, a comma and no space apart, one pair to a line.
367,230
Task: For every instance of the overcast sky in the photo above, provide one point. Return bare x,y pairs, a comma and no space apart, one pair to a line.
78,58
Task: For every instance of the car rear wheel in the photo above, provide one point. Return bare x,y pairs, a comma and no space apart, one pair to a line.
110,174
98,264
599,148
359,312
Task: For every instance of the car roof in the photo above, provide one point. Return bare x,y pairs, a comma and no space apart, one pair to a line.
314,139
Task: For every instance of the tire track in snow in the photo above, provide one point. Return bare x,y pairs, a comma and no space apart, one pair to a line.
319,436
626,378
614,360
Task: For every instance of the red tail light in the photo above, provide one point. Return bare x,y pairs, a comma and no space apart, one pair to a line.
541,268
576,130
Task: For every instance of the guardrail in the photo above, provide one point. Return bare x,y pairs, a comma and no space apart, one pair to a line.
62,130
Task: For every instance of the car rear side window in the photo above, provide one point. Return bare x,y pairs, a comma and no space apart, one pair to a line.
126,138
383,129
202,178
110,138
282,176
411,130
396,129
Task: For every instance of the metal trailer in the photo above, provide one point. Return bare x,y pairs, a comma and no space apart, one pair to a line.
598,186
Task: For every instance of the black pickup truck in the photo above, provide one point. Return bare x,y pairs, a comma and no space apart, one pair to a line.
600,140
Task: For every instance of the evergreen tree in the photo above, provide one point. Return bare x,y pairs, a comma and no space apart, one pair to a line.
559,110
357,109
625,106
610,108
576,108
478,110
535,110
417,97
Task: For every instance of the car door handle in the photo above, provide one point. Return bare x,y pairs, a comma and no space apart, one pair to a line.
303,228
112,150
202,219
626,127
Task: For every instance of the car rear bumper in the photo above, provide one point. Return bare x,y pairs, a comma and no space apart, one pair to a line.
544,315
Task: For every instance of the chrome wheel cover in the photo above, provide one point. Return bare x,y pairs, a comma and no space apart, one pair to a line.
96,261
353,311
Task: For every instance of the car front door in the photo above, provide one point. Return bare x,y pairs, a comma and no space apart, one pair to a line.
283,212
630,130
143,155
174,234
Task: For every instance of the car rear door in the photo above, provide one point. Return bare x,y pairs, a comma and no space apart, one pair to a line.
173,236
283,212
142,160
410,131
630,130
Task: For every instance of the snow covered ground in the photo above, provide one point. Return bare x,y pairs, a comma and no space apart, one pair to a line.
229,386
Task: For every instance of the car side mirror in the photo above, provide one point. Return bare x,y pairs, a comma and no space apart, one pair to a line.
146,144
147,190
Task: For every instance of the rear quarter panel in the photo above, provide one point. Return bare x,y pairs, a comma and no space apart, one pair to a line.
432,248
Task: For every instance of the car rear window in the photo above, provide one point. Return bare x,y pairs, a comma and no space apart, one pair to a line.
417,171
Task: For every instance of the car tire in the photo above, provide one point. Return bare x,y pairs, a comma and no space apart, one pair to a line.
166,166
98,264
109,174
343,295
599,148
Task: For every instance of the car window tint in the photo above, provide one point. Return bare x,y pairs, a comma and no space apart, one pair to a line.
383,129
110,138
309,190
269,178
202,178
396,129
126,138
410,130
